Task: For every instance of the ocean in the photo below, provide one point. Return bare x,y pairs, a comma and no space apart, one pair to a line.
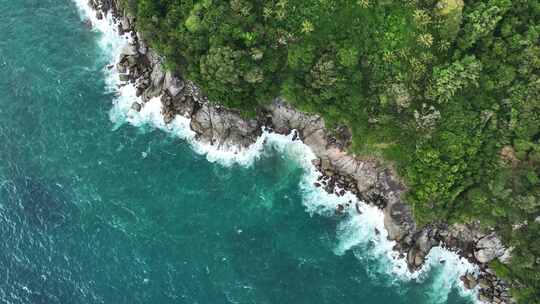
102,204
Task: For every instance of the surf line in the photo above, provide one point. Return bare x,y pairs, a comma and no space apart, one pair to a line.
361,226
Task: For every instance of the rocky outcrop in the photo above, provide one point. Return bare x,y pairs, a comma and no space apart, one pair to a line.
370,180
489,248
424,240
223,128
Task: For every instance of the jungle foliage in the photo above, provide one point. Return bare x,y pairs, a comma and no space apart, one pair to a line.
447,90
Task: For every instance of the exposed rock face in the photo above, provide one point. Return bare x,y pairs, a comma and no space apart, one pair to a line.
224,128
423,242
129,50
488,248
173,85
311,128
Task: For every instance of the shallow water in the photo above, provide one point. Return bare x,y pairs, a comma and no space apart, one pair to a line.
99,205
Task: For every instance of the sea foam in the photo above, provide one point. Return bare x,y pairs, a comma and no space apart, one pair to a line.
363,234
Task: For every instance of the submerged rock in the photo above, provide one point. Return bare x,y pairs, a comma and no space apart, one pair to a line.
136,106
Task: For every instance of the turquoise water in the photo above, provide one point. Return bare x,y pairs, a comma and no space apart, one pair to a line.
95,210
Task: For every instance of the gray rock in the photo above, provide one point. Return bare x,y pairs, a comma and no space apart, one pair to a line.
143,49
136,106
484,298
469,281
462,237
121,68
224,128
173,84
484,284
124,77
128,50
157,76
184,106
423,242
488,248
126,25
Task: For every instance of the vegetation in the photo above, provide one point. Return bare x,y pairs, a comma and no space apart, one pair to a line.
449,90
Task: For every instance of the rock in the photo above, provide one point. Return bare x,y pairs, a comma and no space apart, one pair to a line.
484,284
128,50
157,76
224,128
484,298
398,219
418,260
423,242
99,15
168,117
120,30
121,68
136,106
469,282
339,209
142,45
488,248
358,208
462,237
125,24
124,77
172,84
132,61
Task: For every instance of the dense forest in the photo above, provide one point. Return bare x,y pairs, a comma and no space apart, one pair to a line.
448,91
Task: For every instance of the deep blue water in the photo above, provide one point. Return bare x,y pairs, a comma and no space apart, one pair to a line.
93,213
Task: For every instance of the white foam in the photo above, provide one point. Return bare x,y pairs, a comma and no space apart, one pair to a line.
361,233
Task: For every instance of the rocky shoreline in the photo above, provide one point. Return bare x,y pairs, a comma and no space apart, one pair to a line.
368,179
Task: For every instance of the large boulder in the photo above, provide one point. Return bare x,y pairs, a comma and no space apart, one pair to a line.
157,76
184,105
398,219
424,240
224,128
489,248
462,237
129,50
173,85
143,48
285,118
125,24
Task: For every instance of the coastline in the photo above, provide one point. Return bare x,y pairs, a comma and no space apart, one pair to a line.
222,133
